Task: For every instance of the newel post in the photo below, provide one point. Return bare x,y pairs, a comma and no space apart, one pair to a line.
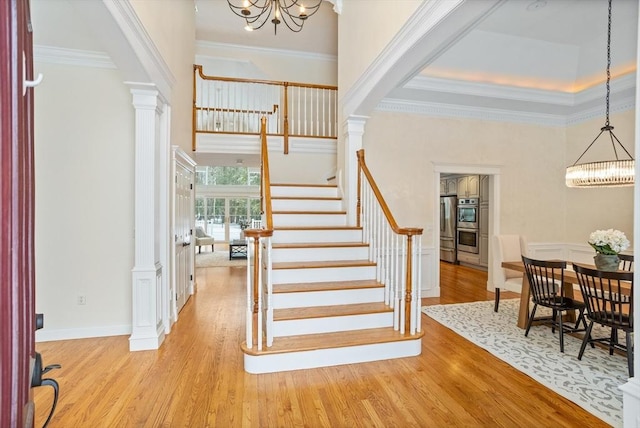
254,287
408,297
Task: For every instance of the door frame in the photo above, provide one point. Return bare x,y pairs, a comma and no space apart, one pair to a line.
494,172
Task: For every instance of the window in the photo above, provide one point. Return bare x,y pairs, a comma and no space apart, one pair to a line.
227,176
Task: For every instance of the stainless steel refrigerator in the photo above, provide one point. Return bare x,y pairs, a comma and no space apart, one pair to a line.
448,228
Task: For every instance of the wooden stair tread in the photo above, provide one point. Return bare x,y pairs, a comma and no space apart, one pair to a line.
303,185
325,286
317,228
306,198
309,212
330,311
319,245
322,264
341,339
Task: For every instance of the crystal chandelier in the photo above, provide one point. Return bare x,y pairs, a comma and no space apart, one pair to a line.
256,13
618,172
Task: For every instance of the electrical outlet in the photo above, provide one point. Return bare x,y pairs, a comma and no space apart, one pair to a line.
82,300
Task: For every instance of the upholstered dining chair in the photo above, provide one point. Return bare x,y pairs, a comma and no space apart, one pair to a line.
545,280
626,262
507,248
203,239
609,300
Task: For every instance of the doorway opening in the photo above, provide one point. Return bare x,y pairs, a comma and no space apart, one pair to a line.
490,211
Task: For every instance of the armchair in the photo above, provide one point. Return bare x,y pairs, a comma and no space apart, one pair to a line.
203,239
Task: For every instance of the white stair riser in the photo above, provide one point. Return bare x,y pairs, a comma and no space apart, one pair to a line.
309,220
351,273
272,363
327,298
319,254
298,236
301,191
306,205
331,324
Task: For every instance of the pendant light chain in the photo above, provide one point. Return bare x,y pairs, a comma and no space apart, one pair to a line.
607,173
608,64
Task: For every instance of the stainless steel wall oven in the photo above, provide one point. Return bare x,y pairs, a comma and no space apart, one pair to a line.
468,240
468,213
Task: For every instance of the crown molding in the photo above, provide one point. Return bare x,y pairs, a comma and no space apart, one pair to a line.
469,112
424,83
202,44
617,105
144,47
74,57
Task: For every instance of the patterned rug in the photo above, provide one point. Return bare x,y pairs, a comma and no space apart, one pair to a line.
591,383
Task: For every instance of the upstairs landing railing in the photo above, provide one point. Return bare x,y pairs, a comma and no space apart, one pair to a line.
234,106
395,250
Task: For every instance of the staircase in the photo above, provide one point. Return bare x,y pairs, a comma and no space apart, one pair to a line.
328,305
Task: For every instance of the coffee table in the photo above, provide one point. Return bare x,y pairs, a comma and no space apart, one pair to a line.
238,249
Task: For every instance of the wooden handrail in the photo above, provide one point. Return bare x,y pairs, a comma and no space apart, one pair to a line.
266,178
410,231
235,110
264,82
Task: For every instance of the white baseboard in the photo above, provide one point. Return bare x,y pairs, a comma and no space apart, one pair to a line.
48,335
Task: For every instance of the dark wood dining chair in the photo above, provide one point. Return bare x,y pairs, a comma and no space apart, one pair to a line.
626,262
609,300
546,291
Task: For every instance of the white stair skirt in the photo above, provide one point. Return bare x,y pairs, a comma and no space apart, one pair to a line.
271,363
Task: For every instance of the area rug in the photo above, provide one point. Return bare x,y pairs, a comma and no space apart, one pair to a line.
217,258
592,383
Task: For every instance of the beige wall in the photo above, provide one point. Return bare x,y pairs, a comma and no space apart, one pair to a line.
84,158
171,25
309,168
364,29
400,150
218,60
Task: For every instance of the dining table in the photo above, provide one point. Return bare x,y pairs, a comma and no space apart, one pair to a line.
570,279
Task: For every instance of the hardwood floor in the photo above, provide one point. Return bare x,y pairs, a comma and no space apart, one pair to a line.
197,379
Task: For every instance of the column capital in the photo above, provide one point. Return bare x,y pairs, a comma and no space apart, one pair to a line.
146,96
354,125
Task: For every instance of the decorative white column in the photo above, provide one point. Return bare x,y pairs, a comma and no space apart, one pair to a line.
147,275
353,132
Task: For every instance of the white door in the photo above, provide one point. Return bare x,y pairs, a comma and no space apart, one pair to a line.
184,240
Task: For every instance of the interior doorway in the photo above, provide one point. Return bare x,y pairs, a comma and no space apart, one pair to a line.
493,174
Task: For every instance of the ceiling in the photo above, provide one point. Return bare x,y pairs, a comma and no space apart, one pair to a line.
534,58
543,57
216,22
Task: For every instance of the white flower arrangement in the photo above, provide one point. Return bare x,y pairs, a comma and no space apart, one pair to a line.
608,241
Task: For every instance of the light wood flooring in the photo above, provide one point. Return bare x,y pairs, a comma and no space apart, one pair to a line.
196,379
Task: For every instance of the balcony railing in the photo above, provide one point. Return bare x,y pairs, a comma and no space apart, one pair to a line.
234,106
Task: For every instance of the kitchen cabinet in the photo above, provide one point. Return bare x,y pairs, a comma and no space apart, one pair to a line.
468,186
483,236
448,186
484,189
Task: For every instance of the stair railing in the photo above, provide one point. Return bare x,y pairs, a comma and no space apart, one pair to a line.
395,250
225,105
259,285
